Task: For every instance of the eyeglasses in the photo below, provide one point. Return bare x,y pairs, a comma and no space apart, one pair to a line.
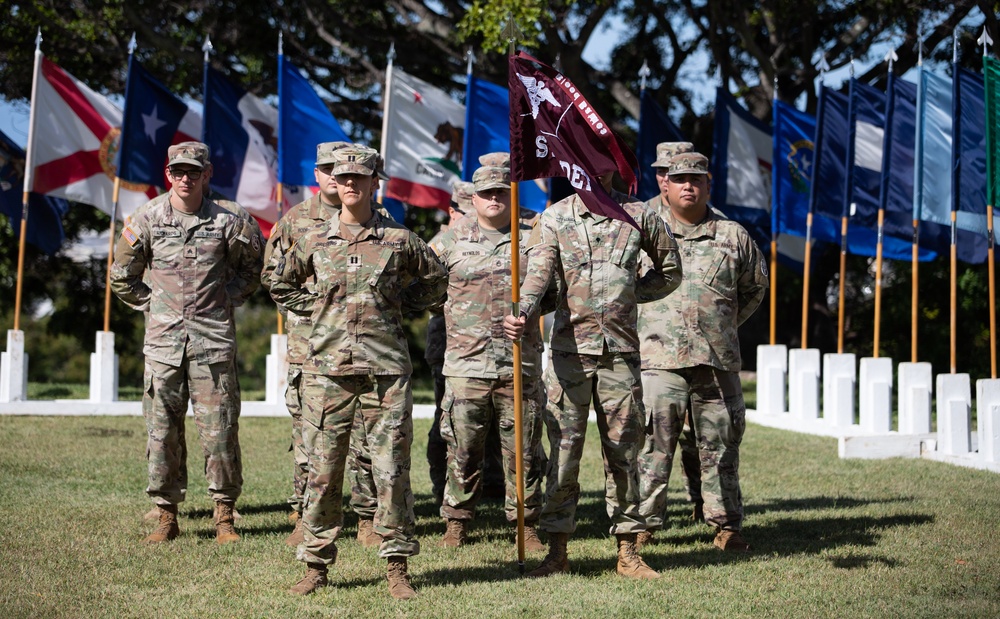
178,173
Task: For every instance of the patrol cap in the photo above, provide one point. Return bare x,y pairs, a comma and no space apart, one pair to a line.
495,160
667,150
688,163
355,160
461,194
491,177
192,153
380,168
324,152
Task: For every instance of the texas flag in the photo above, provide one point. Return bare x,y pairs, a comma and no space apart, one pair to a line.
155,119
241,131
75,144
423,134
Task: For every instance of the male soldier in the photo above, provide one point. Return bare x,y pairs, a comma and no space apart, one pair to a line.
691,352
437,449
656,489
478,362
595,357
200,261
366,268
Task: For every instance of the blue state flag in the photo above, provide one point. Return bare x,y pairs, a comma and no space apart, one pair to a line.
970,145
487,130
898,159
45,213
654,127
794,157
153,120
741,179
829,185
869,133
304,121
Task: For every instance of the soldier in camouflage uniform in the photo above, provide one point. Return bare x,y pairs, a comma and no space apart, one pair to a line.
366,270
691,352
292,226
690,460
187,262
478,362
595,358
437,449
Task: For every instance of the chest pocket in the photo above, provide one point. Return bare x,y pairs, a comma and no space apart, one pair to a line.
720,276
166,246
209,244
385,276
626,250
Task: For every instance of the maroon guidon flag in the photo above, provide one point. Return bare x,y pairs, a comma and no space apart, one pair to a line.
554,131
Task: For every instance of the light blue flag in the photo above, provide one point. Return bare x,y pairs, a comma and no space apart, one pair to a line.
487,130
932,181
303,122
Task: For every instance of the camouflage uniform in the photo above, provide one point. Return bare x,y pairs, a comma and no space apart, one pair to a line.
595,347
691,360
357,360
187,272
688,443
478,367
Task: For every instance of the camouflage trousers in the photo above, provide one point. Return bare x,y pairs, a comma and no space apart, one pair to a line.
330,405
359,465
714,399
690,458
437,449
214,392
611,382
471,407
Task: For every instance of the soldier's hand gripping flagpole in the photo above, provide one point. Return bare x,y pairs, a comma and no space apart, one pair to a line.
515,299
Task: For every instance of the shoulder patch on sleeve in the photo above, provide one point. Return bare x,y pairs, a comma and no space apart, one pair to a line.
130,236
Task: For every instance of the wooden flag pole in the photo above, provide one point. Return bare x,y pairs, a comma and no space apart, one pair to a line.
515,304
111,255
281,320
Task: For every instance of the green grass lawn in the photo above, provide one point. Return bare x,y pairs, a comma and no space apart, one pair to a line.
831,538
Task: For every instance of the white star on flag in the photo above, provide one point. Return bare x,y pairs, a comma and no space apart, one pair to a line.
152,124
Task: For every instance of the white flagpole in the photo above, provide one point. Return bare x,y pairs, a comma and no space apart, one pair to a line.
386,100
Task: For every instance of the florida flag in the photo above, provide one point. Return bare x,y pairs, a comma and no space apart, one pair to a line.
423,134
154,119
75,144
241,132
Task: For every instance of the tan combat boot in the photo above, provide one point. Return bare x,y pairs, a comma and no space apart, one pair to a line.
531,541
366,533
166,529
314,579
557,561
643,538
730,541
293,517
630,564
454,534
297,535
399,579
224,531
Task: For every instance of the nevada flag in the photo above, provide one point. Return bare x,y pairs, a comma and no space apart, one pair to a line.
154,119
241,132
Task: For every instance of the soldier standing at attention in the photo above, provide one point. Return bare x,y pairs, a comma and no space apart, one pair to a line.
366,269
292,226
187,262
691,351
478,365
654,488
595,358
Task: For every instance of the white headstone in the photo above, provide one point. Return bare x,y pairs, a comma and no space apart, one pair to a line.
14,369
954,412
772,367
104,369
916,385
988,418
276,363
875,395
803,383
840,377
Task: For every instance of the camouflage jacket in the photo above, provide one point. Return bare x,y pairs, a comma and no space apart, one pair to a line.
595,262
479,292
289,230
437,338
725,279
187,281
361,287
